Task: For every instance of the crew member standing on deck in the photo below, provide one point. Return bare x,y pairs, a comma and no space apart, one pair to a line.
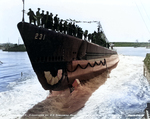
56,22
61,26
85,34
65,27
42,18
46,19
74,29
51,21
38,17
31,16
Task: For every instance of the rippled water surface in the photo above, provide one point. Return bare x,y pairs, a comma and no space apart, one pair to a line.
123,95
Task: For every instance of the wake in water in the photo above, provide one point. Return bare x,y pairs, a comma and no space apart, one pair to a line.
63,106
21,96
124,94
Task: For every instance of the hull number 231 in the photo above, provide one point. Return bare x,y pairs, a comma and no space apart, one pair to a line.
39,36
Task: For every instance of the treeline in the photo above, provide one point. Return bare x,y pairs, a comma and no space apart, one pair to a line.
12,47
3,45
130,44
147,61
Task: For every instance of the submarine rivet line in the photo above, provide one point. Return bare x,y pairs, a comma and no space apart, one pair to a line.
103,63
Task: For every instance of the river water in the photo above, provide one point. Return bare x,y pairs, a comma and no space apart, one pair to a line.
124,95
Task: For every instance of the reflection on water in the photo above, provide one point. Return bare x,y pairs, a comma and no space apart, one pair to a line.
15,65
131,51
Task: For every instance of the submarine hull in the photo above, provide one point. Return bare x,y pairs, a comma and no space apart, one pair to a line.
58,59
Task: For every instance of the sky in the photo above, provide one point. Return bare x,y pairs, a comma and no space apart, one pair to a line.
122,20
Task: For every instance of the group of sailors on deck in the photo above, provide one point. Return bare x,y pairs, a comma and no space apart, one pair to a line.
54,23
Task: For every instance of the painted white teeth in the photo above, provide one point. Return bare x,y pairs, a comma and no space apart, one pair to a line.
52,80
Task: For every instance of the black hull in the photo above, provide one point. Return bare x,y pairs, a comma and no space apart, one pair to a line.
51,51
